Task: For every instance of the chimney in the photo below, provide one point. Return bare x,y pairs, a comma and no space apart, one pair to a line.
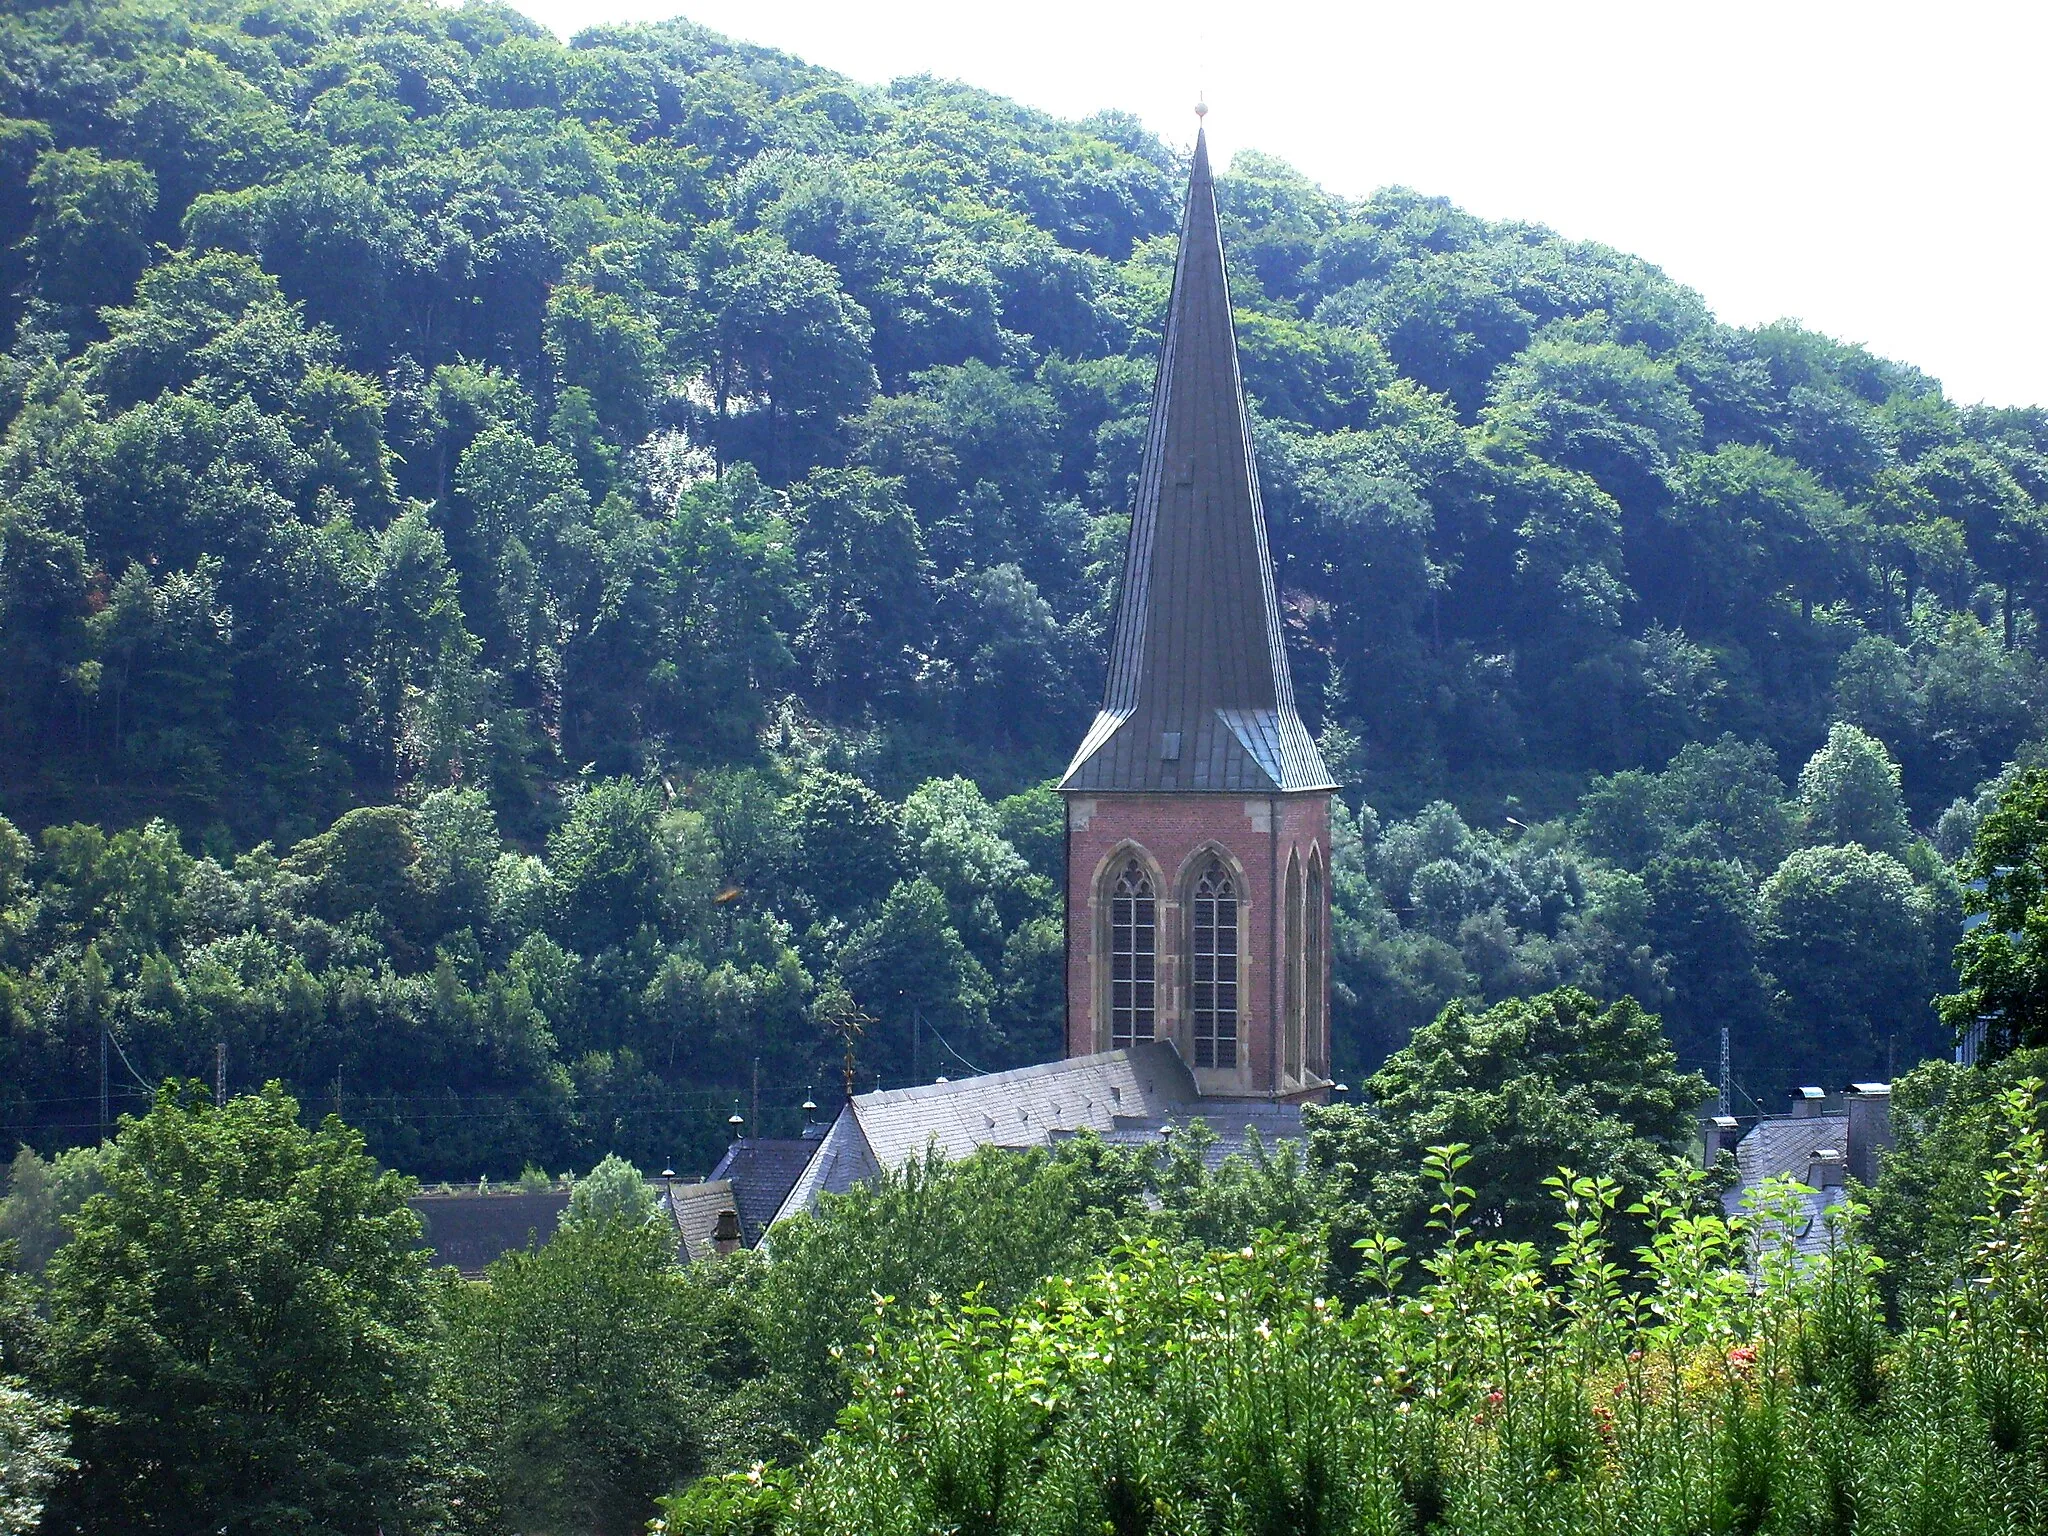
1826,1170
725,1237
1870,1127
1808,1102
1718,1134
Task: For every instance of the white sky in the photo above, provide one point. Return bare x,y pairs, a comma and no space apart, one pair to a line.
1876,170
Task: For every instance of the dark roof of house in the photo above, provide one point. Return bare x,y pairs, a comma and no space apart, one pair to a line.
1198,695
469,1230
762,1171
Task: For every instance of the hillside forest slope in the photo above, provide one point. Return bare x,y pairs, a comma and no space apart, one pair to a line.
537,580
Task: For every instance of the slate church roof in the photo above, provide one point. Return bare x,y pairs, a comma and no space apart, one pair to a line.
1198,696
1127,1096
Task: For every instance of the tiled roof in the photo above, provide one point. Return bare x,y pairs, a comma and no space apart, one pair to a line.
1128,1097
1785,1148
762,1171
1024,1107
841,1161
1198,695
469,1230
696,1209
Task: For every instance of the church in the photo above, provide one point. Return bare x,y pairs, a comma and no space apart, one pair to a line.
1197,823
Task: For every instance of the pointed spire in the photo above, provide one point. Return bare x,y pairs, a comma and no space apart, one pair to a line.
1198,696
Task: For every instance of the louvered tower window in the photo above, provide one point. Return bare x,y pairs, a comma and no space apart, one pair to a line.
1133,956
1213,973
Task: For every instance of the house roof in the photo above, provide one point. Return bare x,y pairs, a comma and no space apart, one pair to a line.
762,1171
1198,695
696,1209
1024,1107
469,1230
1785,1147
841,1161
1127,1097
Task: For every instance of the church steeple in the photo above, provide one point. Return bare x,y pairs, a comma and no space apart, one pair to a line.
1198,696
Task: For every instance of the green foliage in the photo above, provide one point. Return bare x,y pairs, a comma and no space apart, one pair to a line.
1930,1197
1849,793
2004,959
243,1304
32,1456
1532,1084
1739,1389
43,1198
989,1227
613,1192
569,1374
1856,948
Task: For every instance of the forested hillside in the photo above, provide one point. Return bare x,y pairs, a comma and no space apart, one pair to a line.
534,578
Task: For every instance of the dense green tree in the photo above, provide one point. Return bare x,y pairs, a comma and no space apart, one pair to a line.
2003,961
847,841
1849,793
1928,1206
909,969
870,596
87,244
991,1224
614,861
569,1372
1530,1085
1857,951
244,1317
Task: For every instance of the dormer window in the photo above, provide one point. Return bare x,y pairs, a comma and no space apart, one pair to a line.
1133,956
1213,966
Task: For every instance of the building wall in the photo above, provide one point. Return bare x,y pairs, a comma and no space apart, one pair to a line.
1170,833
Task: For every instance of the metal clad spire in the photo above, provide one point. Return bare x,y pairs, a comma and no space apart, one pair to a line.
1198,695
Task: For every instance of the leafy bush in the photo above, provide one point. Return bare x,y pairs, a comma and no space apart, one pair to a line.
1742,1381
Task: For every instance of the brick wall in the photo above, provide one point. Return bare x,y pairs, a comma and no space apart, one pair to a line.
1169,832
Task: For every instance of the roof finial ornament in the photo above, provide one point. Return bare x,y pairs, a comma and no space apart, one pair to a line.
1201,105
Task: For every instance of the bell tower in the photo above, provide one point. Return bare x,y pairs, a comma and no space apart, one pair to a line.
1198,808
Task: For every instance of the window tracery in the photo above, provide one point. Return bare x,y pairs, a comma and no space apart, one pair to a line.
1133,957
1213,957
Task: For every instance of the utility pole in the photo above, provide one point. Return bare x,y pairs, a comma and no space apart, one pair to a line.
103,1082
220,1074
754,1117
1724,1069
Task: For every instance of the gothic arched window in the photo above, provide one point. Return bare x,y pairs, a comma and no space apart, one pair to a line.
1212,956
1291,957
1318,983
1133,956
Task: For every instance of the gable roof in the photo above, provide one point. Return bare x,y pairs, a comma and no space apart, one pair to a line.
1198,695
1130,1096
761,1172
1778,1148
696,1209
1023,1107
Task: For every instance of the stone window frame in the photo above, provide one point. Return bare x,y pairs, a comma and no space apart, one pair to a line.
1108,871
1193,871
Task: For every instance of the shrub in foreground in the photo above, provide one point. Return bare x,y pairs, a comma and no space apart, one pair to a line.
1730,1383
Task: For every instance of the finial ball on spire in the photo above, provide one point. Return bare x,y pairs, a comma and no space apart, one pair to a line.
1201,109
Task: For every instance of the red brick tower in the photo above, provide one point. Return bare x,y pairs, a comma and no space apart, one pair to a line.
1198,808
